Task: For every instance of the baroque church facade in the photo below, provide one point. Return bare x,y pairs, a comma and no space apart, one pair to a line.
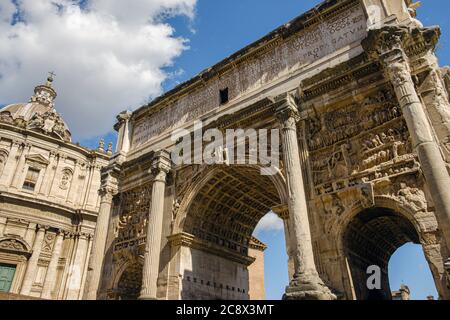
48,201
362,106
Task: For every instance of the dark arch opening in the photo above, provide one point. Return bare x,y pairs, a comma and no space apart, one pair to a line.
130,283
371,238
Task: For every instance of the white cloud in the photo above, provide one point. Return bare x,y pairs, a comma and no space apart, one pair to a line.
108,55
269,223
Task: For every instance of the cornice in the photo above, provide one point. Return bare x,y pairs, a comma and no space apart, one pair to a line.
335,78
4,195
69,145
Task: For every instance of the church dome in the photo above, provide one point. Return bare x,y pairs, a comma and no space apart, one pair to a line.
38,114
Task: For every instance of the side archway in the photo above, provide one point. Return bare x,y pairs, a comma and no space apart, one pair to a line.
370,236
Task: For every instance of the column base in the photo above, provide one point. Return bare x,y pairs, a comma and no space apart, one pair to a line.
308,287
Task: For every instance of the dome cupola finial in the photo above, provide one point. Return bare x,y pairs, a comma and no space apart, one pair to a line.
45,94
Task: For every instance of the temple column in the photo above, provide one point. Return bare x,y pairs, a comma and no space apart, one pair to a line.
306,283
387,45
107,192
30,274
77,268
52,270
160,168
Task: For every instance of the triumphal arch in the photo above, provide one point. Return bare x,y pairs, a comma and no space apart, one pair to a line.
362,110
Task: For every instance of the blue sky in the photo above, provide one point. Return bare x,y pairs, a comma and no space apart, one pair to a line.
218,29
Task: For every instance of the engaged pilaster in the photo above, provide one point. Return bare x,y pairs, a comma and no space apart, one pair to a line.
107,192
50,278
160,168
30,273
306,283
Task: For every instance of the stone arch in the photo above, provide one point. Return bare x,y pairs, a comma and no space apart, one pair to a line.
395,223
15,246
213,230
128,280
206,174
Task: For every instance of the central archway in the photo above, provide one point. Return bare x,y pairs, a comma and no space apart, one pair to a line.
219,220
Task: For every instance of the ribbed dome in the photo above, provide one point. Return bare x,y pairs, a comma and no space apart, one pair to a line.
38,114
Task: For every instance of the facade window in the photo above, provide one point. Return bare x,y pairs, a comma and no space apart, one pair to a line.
224,96
31,179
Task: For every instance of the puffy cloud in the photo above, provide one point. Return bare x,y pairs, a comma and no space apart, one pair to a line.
269,223
108,55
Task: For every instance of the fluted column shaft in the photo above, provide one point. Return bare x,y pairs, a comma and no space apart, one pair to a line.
306,283
50,277
298,218
99,244
30,273
160,168
424,143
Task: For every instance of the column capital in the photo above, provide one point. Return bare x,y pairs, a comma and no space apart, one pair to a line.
109,181
287,113
41,227
399,39
161,165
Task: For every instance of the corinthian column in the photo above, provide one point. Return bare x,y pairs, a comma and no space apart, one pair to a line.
95,266
306,283
52,270
30,274
160,168
389,45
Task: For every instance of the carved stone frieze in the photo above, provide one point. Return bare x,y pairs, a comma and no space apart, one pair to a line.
334,205
354,141
131,228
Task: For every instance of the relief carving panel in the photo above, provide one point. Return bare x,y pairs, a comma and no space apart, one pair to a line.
131,228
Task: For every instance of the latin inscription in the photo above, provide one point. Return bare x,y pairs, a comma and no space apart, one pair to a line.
310,45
